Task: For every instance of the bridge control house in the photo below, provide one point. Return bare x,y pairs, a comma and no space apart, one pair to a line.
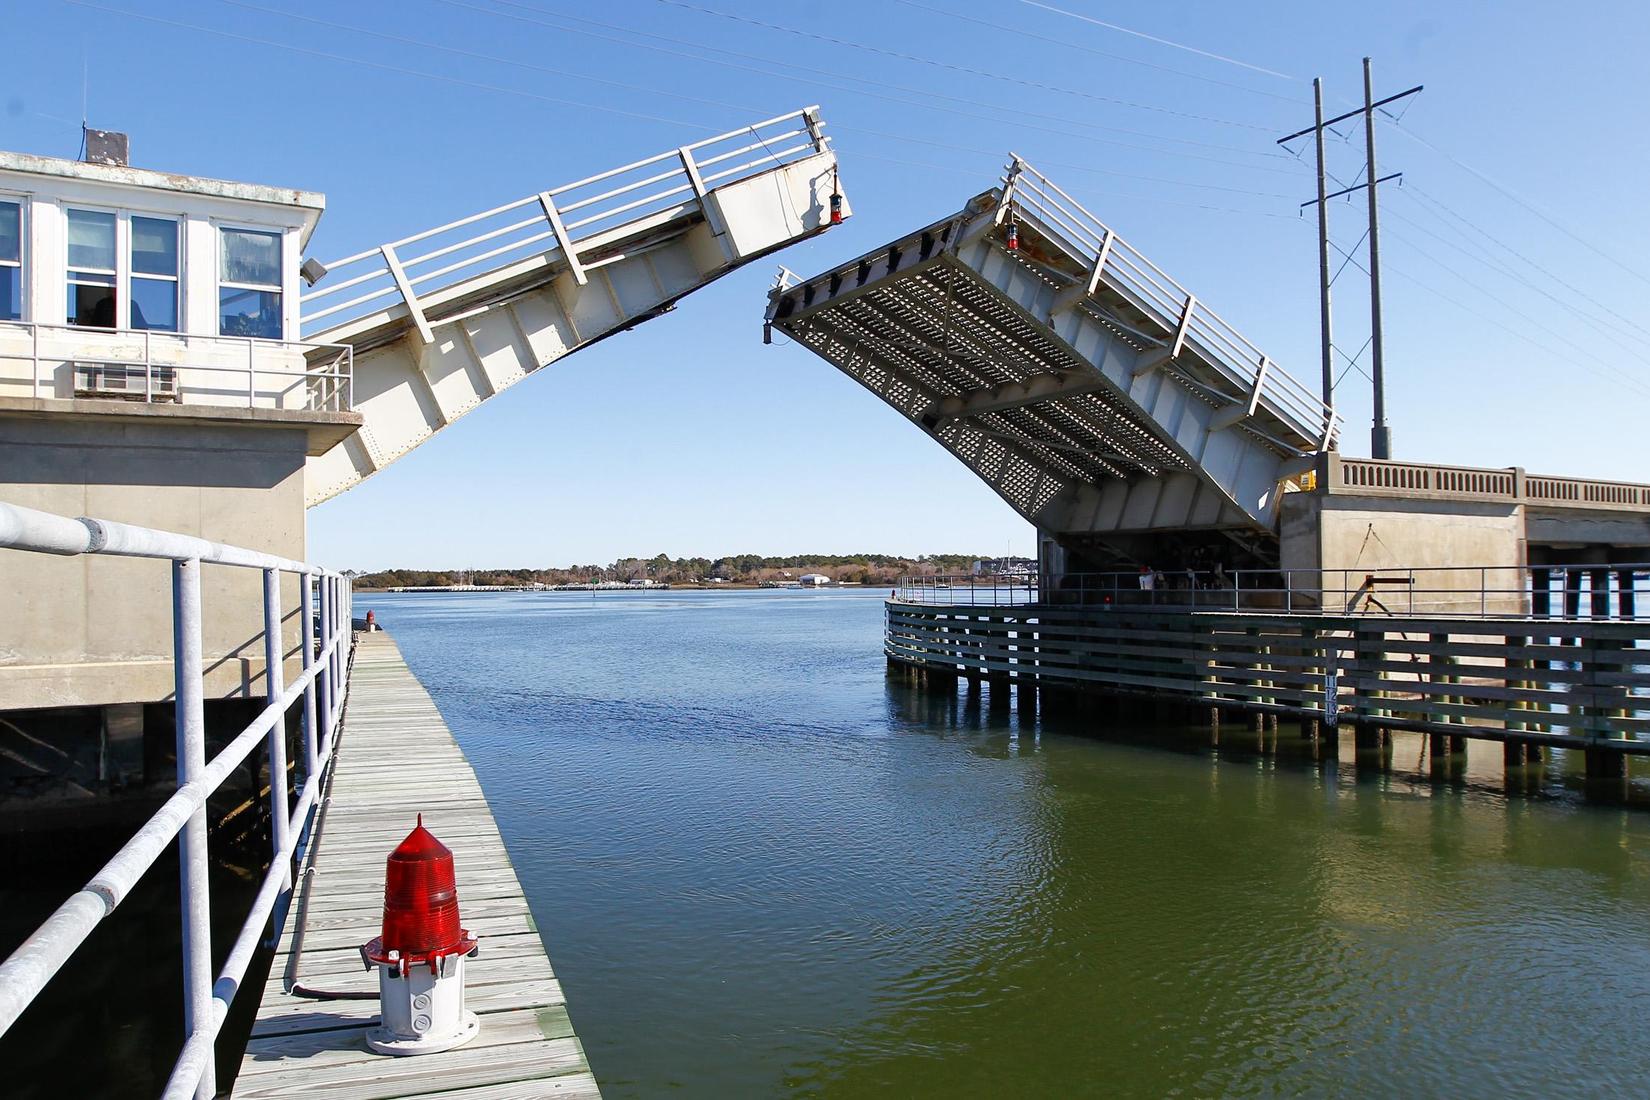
151,373
169,359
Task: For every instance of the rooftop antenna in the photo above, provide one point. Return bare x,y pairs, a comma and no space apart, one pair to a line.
85,80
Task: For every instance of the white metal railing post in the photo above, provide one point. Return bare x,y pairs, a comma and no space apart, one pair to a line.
339,640
34,338
251,391
323,677
190,722
148,371
307,611
275,682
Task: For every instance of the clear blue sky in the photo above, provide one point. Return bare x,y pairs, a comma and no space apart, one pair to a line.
1516,327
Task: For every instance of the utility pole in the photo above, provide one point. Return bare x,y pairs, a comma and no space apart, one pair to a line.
1380,433
1324,322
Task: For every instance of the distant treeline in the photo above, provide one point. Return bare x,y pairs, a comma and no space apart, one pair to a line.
737,569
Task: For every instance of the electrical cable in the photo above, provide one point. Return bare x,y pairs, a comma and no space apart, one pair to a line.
489,58
1003,27
1521,201
1160,41
384,66
923,103
952,67
1500,326
1425,198
1603,327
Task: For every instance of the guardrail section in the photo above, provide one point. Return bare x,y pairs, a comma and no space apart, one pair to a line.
1495,679
1385,477
568,221
1122,268
143,365
320,691
1600,592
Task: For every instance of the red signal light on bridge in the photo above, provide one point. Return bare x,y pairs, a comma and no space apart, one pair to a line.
1013,241
836,208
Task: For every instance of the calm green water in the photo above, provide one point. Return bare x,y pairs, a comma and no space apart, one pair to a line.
762,867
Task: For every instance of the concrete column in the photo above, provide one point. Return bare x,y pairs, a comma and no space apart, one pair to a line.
1626,601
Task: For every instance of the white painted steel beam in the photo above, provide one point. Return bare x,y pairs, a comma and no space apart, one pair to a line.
1137,432
574,267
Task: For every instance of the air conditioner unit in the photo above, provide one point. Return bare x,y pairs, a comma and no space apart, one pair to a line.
127,383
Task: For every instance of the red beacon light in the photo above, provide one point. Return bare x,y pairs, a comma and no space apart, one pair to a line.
836,208
1013,241
420,952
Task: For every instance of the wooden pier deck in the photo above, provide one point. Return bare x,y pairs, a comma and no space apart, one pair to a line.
396,759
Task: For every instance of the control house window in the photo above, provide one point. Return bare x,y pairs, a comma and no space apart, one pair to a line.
154,274
249,284
92,273
121,260
11,260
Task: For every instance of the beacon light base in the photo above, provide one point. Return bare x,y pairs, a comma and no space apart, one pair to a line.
422,1006
383,1041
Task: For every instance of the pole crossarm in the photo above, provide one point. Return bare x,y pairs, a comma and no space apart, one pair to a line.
1349,190
1354,113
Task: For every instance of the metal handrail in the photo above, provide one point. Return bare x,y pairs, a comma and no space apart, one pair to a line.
322,686
1556,592
385,278
329,386
1152,290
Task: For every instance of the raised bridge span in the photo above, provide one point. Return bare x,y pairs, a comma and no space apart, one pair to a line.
444,319
1095,394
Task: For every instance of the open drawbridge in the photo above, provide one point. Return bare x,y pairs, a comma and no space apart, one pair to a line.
444,319
1092,392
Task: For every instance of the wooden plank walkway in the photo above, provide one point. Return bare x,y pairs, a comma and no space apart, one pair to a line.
396,759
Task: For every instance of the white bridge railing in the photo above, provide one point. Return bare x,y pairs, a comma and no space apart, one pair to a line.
77,361
652,191
1119,266
321,689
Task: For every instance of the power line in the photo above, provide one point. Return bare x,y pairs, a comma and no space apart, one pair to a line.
1617,372
383,66
926,93
852,90
1602,326
953,67
1429,199
1160,41
1521,201
1586,363
493,59
1127,60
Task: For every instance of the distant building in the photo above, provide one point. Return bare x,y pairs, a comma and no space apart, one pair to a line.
814,580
